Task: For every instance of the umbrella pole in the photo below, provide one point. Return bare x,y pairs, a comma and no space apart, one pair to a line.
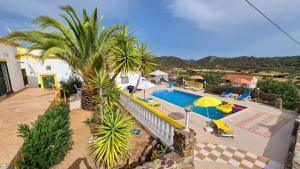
207,112
144,94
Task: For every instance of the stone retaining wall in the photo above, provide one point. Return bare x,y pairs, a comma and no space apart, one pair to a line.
293,159
181,158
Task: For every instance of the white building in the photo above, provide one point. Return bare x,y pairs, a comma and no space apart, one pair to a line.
130,79
45,73
11,79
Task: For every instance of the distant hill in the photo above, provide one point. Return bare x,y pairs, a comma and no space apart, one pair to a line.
289,63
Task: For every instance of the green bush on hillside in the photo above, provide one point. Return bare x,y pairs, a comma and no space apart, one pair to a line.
287,91
212,77
47,141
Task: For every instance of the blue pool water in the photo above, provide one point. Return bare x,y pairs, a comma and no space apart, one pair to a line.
180,99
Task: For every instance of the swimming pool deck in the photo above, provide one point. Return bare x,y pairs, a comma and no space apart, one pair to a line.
261,129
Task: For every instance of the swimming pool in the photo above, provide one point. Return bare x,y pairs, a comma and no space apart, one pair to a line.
180,99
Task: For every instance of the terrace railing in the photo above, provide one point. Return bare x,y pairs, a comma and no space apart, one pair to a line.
158,124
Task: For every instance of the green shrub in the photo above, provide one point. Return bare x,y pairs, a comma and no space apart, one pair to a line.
213,78
287,91
160,151
69,85
47,141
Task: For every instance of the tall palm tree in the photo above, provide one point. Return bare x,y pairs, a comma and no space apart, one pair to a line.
146,65
81,42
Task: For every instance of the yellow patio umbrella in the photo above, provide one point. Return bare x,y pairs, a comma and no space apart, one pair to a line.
207,102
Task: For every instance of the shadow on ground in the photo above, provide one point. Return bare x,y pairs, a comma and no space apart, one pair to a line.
78,161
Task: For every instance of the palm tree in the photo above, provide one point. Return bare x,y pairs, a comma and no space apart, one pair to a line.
146,65
108,94
112,139
81,42
125,58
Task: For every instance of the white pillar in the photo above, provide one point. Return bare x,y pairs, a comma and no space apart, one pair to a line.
187,114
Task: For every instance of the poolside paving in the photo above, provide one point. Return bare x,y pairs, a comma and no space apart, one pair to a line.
21,107
261,129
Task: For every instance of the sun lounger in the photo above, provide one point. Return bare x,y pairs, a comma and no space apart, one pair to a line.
154,103
223,129
171,84
226,93
150,101
200,87
188,87
245,96
146,99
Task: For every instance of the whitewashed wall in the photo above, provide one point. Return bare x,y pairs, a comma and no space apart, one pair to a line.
253,83
133,78
16,79
35,67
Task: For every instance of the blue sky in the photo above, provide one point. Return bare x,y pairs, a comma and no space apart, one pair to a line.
185,28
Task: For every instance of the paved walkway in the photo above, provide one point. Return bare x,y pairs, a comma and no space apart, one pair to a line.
233,156
21,107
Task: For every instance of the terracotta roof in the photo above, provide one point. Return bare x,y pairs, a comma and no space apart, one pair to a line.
8,42
240,79
197,77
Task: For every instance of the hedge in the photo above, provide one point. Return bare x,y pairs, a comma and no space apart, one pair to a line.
69,85
47,141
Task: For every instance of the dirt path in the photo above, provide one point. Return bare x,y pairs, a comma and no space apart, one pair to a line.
78,157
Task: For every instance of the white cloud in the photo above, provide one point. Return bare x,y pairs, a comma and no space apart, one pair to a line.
218,14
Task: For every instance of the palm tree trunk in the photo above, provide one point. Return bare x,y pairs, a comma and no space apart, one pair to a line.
101,102
138,82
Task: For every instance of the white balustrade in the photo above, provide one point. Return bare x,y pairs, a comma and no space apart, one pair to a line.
155,125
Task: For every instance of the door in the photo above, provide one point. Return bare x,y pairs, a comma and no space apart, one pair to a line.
48,81
2,84
25,78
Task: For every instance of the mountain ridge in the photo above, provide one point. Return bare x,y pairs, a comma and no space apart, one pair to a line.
286,63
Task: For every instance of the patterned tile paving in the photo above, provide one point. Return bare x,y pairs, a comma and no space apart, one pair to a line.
263,124
229,155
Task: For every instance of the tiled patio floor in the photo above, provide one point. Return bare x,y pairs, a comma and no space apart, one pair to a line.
21,107
261,129
233,156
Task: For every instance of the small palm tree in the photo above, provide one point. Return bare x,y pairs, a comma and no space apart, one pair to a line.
125,58
112,139
108,94
146,65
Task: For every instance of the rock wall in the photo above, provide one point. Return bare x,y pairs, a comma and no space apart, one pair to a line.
293,159
181,158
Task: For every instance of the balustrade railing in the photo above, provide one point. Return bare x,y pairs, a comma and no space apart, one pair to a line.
157,123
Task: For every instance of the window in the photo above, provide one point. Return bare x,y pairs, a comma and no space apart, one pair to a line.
124,80
48,67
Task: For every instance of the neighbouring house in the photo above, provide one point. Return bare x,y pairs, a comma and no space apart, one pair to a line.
42,73
11,79
159,76
124,80
240,80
